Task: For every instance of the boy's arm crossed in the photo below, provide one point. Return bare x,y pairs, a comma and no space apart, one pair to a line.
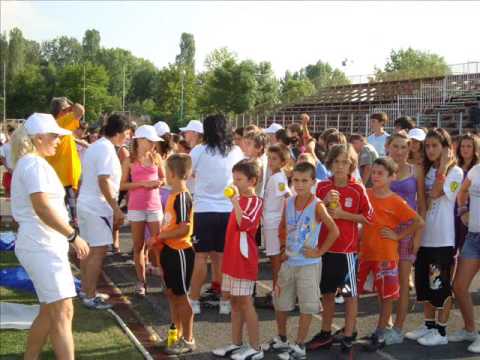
326,220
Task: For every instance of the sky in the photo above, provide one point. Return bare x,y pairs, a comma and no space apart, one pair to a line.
290,35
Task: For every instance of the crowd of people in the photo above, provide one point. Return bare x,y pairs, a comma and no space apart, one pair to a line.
338,216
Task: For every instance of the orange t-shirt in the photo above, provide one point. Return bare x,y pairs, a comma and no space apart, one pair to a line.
388,212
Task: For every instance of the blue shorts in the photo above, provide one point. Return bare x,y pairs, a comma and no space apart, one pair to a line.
471,247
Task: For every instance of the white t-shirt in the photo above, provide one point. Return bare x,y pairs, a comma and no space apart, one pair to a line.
100,159
274,200
378,142
474,217
33,174
213,173
6,153
439,222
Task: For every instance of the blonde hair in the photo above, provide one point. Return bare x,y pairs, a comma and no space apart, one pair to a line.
22,144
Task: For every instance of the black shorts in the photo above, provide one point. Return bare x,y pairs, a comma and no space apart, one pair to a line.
209,231
177,268
339,271
433,271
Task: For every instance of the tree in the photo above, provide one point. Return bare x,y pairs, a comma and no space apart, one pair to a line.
294,88
410,63
186,58
267,93
323,75
91,44
16,53
217,57
62,51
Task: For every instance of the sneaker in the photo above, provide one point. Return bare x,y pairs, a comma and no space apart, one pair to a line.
375,343
418,333
275,344
339,299
182,346
195,307
339,335
322,340
226,350
96,303
393,336
347,343
82,295
211,297
475,346
140,289
462,335
225,307
248,353
433,338
295,351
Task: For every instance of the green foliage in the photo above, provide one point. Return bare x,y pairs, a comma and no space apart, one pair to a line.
16,53
294,89
62,51
91,44
410,63
323,75
186,58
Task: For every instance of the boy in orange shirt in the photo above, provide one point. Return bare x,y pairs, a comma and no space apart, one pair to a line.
378,269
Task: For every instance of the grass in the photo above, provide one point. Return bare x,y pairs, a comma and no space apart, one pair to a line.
96,333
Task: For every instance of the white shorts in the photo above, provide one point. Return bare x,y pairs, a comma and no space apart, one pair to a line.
237,287
94,229
145,216
272,242
50,273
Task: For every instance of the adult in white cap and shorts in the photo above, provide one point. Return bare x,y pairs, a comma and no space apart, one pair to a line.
193,133
44,234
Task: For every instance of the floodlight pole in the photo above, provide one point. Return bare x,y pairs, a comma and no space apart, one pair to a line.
181,94
4,95
123,90
84,85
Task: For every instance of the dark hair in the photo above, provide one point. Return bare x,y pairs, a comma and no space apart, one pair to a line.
444,138
248,168
10,129
185,144
388,164
239,131
180,165
282,137
340,149
259,139
115,124
217,135
335,137
381,117
306,167
58,104
355,137
164,147
476,150
405,123
176,138
281,150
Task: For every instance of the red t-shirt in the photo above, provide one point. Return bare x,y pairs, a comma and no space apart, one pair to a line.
354,199
234,263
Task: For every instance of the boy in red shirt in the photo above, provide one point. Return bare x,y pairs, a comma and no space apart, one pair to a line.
379,255
348,205
240,269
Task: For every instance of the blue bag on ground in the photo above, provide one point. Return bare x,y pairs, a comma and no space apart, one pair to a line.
7,241
18,279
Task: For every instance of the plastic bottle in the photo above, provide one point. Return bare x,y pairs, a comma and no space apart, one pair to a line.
172,335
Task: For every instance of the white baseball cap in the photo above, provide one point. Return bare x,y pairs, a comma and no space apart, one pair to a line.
147,132
273,128
162,128
194,125
417,134
39,123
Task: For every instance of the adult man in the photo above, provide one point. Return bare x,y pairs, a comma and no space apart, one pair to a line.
366,156
379,136
98,211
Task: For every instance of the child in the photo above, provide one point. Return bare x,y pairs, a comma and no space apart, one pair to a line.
254,143
299,275
379,246
379,136
275,194
142,175
435,258
177,255
348,205
241,269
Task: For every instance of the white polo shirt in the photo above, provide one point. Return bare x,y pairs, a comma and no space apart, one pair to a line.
274,200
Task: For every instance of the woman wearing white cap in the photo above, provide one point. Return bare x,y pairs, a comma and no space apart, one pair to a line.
417,137
193,132
142,175
44,234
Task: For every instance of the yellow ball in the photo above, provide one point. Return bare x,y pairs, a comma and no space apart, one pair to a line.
229,192
333,205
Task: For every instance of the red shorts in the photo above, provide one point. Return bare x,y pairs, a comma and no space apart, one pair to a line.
7,181
381,277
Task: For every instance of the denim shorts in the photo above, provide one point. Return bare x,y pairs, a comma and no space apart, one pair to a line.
471,247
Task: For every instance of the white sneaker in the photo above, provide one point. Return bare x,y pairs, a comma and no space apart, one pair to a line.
226,350
225,308
275,344
339,299
462,335
475,346
195,307
103,296
418,333
248,353
433,338
295,352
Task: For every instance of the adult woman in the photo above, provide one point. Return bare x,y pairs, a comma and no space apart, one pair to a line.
44,234
212,167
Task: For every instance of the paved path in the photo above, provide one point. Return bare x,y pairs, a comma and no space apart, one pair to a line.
212,330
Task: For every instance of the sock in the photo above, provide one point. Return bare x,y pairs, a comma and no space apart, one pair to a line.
216,286
430,324
283,338
442,328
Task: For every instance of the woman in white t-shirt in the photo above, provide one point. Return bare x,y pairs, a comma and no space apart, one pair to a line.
435,258
212,167
44,234
469,264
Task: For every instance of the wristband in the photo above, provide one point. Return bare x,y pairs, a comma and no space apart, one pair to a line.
441,177
71,238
